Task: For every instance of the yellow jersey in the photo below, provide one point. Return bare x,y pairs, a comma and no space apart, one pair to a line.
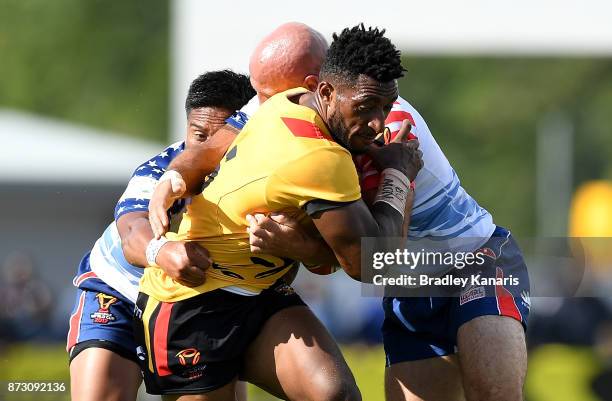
283,158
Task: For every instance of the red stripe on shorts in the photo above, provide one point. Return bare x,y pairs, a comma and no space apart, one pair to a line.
160,339
505,300
75,324
77,281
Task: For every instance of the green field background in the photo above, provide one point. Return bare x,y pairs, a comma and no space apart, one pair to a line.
556,372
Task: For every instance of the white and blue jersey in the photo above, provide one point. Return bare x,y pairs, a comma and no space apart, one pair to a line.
107,260
107,284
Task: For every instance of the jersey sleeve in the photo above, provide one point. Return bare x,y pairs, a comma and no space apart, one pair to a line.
140,188
237,120
325,175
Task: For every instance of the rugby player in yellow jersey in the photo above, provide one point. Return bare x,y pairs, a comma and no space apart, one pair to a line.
293,155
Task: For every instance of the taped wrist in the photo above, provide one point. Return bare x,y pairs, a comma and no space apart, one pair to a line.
153,249
393,189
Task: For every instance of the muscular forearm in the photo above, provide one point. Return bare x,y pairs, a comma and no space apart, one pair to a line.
197,162
345,232
389,221
135,232
388,225
192,169
319,253
407,213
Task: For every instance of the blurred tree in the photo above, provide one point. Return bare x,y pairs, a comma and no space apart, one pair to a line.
484,113
96,62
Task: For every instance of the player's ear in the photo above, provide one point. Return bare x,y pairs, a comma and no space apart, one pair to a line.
326,91
311,82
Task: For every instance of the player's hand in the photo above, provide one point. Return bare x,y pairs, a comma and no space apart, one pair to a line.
185,262
165,194
401,153
278,235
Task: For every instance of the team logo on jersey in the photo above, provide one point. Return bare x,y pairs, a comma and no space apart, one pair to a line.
137,312
140,353
487,252
526,299
194,373
188,356
471,294
285,289
104,315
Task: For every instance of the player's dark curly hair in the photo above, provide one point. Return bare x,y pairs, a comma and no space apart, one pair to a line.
225,89
358,50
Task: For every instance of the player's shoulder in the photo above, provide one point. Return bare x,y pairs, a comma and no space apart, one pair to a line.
251,107
168,153
317,161
173,150
156,165
289,124
283,104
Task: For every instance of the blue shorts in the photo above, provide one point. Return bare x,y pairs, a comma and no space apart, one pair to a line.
101,318
425,327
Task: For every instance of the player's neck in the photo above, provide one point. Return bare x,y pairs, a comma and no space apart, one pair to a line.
311,100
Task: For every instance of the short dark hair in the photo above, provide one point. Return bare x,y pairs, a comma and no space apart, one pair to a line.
358,50
225,89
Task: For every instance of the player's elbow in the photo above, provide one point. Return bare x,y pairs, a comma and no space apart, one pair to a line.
348,253
135,232
127,246
130,245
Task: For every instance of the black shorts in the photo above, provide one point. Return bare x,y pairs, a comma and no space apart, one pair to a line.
197,345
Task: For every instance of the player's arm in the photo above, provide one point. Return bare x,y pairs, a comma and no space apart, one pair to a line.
182,261
280,235
343,228
370,188
330,188
135,233
186,262
185,176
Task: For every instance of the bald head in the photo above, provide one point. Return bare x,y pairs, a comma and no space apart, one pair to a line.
289,57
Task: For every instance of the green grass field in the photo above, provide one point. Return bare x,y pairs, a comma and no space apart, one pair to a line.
556,372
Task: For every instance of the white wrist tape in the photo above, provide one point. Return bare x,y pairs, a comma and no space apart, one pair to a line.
173,176
153,249
393,189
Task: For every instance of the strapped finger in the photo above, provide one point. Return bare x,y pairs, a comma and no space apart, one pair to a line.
402,135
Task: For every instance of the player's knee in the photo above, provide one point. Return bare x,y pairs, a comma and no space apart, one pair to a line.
337,392
329,388
486,388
